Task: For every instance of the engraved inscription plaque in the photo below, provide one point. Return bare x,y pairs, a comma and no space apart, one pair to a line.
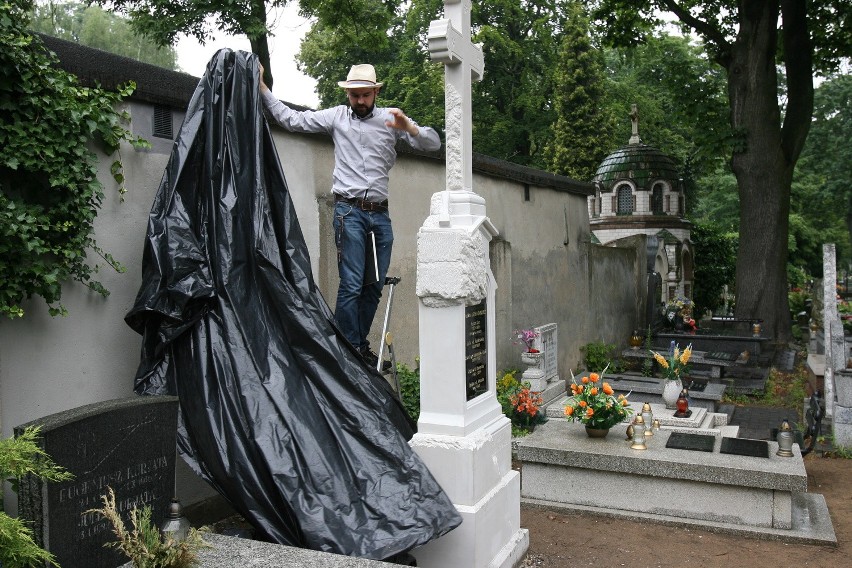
475,350
127,444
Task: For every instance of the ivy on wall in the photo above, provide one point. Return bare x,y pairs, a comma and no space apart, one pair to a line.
49,191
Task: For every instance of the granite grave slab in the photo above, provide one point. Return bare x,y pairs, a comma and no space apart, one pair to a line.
127,444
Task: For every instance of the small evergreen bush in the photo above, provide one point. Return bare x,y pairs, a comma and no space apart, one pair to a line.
19,457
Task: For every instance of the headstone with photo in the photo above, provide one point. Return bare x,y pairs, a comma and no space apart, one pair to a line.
127,444
462,434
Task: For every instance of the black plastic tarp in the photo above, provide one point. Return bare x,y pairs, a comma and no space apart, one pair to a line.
278,411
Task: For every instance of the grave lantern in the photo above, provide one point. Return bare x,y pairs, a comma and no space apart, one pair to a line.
785,441
648,418
176,525
638,434
682,405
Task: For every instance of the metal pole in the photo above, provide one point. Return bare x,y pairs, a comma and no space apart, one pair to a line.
389,281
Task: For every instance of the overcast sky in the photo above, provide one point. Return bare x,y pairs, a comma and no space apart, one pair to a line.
290,85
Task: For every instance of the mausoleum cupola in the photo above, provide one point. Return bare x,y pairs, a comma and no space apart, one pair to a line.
636,186
638,191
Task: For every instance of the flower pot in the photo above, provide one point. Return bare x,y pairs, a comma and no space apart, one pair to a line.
671,392
596,432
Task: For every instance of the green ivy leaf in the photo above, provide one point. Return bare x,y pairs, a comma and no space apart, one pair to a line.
48,207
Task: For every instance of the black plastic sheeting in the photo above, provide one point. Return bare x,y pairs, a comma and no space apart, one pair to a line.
278,411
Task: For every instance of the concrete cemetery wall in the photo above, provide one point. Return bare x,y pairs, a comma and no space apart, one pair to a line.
540,261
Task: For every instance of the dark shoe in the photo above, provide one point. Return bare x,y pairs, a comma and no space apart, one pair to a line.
373,360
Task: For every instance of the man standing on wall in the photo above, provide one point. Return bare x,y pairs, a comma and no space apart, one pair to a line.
365,139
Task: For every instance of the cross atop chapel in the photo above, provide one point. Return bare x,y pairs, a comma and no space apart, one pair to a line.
634,119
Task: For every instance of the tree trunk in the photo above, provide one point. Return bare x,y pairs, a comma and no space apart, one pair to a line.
260,47
260,44
764,163
763,178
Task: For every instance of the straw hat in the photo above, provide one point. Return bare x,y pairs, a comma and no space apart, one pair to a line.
360,76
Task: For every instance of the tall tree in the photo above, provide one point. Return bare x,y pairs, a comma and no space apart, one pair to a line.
821,193
340,38
681,98
747,38
512,104
583,133
92,26
164,20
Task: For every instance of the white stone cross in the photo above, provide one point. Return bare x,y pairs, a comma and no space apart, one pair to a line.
449,43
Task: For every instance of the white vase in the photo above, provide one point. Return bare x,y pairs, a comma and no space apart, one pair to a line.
671,392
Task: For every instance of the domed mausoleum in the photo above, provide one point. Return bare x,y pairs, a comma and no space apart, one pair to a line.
638,192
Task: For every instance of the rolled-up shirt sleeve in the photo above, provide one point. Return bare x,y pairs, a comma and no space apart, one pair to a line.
307,121
427,138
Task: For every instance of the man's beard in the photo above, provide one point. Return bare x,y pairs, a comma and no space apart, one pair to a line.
363,110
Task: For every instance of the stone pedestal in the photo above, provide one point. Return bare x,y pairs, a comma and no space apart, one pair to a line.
463,435
842,420
534,373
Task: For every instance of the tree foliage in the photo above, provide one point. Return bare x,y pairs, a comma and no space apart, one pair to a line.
715,262
49,191
21,456
512,104
682,103
821,192
747,39
163,20
822,187
339,39
89,25
583,133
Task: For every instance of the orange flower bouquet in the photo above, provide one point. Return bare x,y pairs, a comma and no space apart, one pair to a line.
593,403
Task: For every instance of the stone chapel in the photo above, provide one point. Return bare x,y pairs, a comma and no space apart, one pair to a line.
638,191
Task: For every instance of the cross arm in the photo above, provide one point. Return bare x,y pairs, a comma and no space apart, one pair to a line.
448,46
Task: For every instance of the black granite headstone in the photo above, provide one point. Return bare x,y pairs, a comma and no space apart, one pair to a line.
697,386
745,447
127,444
653,315
721,356
697,442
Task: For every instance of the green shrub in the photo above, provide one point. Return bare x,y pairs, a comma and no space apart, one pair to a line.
797,299
599,355
19,457
715,265
409,384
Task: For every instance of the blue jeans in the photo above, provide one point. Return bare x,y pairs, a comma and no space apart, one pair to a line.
357,304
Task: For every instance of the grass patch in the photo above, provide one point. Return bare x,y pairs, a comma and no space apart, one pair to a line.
782,389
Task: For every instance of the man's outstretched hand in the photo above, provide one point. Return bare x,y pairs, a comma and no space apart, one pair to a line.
401,122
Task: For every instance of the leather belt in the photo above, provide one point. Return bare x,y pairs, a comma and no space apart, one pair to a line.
362,203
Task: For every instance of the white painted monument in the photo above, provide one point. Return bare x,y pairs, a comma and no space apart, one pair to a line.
463,435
